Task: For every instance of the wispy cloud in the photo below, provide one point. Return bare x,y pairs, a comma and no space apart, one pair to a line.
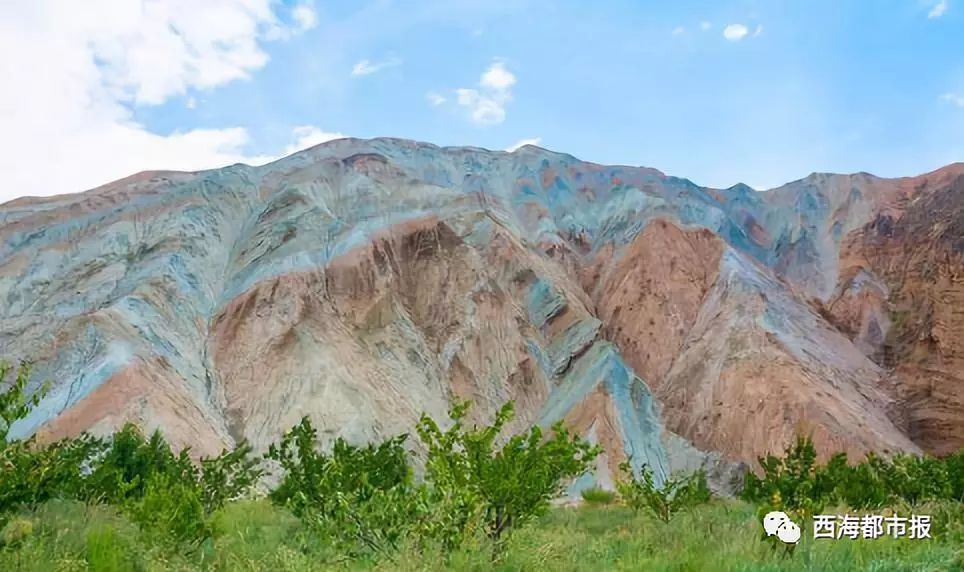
735,32
679,31
705,26
436,99
522,143
304,15
486,104
306,136
367,67
758,31
938,9
954,99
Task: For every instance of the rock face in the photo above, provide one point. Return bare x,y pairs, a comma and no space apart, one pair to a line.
902,300
364,282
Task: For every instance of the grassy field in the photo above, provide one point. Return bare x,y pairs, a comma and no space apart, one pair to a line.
255,535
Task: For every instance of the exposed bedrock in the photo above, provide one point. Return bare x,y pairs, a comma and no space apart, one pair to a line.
365,282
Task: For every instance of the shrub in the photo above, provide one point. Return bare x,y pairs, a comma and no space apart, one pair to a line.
802,485
677,493
361,498
596,495
14,403
165,493
229,476
793,478
170,509
917,479
123,471
31,474
863,486
504,487
312,479
955,474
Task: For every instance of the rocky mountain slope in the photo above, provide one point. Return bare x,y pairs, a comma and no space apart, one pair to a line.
362,282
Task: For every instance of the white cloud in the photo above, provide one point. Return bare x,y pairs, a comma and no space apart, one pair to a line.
954,99
80,67
758,31
735,32
522,143
191,103
487,104
435,99
938,10
366,67
679,30
305,16
705,26
309,136
497,78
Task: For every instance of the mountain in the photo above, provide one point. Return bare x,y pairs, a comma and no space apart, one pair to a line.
362,282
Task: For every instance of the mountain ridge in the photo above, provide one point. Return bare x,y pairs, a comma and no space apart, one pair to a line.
365,281
957,165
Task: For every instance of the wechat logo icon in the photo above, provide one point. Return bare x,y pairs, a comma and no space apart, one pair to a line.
779,524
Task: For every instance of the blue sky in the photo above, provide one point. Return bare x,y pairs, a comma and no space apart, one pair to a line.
753,91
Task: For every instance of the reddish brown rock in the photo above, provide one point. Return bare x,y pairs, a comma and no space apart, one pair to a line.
917,249
649,296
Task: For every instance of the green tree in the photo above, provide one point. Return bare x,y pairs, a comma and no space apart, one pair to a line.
677,493
123,471
229,476
359,498
171,509
31,473
792,479
863,485
15,404
506,487
917,479
955,473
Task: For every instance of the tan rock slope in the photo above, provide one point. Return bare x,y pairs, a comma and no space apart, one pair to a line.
364,282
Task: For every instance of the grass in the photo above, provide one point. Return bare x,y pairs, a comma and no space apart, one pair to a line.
255,535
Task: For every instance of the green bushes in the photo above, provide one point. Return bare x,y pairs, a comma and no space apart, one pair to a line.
168,495
228,477
917,479
358,498
312,479
508,487
678,493
955,474
365,499
598,496
792,482
362,501
355,500
31,474
798,483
